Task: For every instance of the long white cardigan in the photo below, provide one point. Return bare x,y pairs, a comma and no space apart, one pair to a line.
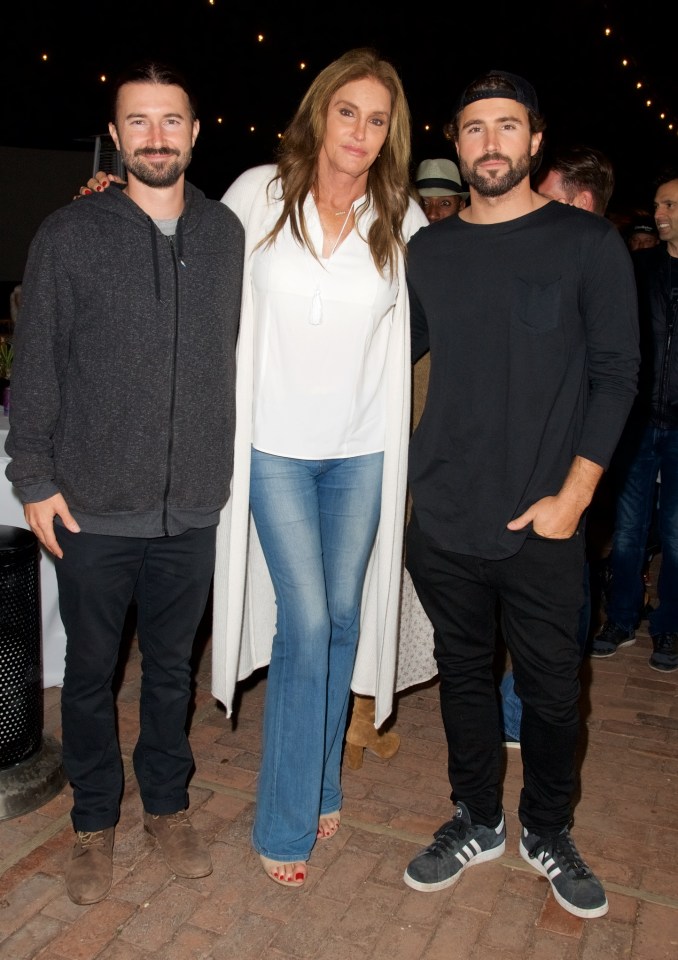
244,611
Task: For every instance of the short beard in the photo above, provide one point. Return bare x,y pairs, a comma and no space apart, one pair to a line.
493,184
165,176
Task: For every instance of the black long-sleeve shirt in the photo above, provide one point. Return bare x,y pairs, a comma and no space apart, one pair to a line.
533,335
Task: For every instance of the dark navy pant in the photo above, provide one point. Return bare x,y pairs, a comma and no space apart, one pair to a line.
642,456
538,594
98,577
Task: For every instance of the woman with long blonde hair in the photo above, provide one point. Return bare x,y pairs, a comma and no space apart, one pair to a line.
309,549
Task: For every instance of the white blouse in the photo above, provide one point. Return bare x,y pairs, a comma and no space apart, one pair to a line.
321,339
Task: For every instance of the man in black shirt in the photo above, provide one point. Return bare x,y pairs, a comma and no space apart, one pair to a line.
528,308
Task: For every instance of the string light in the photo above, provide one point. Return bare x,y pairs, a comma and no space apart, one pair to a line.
644,84
642,81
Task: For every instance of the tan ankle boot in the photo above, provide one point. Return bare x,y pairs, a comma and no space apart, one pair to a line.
184,850
361,734
89,872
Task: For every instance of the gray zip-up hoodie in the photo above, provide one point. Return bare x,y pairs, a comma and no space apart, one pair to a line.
123,395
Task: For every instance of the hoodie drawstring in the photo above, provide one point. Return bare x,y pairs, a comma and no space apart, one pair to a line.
179,238
154,253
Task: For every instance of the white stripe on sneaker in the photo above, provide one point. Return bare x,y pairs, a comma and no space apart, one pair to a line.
550,866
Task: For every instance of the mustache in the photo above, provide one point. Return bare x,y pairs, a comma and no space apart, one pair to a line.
154,151
492,156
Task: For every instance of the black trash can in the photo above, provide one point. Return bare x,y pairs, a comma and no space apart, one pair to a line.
30,764
21,706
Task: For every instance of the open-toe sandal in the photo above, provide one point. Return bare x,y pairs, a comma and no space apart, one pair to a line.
287,874
328,824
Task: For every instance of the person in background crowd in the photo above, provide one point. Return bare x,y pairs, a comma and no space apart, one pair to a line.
121,442
438,185
583,177
649,450
579,175
534,359
309,565
642,233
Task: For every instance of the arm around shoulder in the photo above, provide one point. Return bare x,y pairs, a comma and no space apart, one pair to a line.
247,189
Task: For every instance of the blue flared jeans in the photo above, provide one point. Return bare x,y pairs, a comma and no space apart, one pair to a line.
316,521
642,456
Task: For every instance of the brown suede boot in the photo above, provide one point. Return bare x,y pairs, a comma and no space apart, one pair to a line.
362,734
89,873
184,850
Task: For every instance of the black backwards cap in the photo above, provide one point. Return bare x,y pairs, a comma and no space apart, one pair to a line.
513,88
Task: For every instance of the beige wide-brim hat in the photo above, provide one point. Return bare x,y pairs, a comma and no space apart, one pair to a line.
439,178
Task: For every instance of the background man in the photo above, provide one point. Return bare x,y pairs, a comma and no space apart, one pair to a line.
641,234
648,450
122,444
439,187
579,175
528,308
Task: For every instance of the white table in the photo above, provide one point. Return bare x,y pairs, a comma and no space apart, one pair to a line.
53,634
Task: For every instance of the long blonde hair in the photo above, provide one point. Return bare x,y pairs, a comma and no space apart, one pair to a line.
388,180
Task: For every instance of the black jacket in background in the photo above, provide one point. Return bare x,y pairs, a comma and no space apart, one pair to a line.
123,395
657,400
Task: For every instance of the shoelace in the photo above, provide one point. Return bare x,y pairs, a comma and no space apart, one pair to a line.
91,838
665,642
450,833
178,819
562,849
611,632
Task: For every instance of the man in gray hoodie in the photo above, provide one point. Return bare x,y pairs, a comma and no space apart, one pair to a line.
121,438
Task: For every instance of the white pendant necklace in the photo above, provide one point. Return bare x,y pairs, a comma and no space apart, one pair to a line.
341,232
316,316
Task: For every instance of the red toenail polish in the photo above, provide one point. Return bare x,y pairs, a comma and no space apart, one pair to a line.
299,876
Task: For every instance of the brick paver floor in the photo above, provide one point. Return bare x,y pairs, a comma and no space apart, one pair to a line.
354,904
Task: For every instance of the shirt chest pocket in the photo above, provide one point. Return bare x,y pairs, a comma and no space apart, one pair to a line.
536,306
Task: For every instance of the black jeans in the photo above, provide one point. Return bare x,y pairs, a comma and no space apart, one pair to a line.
539,594
98,577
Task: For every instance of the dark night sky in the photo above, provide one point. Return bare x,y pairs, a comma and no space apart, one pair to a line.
584,93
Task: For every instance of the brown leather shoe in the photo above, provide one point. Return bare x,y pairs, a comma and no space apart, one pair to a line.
89,873
184,850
